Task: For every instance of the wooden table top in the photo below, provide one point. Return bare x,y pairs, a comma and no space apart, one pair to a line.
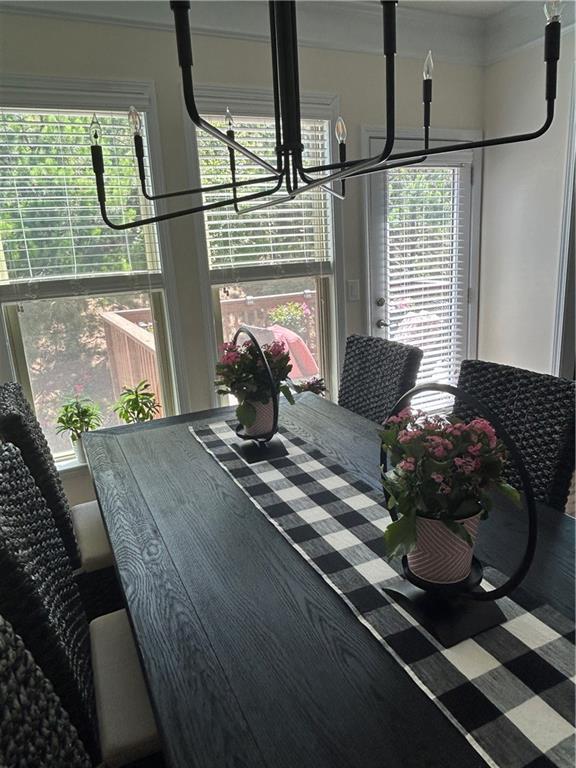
251,660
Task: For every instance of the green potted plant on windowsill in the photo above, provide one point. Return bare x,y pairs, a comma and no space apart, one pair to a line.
137,404
76,416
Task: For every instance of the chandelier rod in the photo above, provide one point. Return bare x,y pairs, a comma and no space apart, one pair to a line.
290,168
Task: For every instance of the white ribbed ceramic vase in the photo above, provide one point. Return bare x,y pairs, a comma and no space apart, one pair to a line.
441,556
264,420
79,451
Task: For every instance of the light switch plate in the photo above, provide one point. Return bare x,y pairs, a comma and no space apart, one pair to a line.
353,290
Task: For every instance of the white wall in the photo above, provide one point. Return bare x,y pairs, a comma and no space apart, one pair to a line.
523,197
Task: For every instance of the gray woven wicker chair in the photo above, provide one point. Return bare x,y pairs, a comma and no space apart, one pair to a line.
18,425
94,669
375,374
538,412
81,527
35,730
38,595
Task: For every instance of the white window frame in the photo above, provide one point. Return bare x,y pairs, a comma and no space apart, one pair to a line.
560,355
372,249
257,102
52,93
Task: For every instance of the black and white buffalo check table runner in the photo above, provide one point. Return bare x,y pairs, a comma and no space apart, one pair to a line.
510,690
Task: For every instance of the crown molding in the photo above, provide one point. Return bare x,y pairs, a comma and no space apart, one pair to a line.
350,25
354,26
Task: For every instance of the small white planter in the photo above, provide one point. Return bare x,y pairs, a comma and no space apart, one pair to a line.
79,451
264,420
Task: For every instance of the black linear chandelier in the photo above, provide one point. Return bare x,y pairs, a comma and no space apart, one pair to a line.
290,172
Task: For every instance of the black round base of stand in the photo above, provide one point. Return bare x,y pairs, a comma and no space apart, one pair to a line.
446,590
253,451
444,610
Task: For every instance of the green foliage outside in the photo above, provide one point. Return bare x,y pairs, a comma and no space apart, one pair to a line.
293,315
50,225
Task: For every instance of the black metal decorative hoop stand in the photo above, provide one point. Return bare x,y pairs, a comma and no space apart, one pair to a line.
260,447
455,612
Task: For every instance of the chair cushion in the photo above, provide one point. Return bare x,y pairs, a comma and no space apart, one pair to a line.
125,720
95,550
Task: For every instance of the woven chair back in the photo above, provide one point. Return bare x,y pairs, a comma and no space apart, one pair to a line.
38,594
35,730
538,412
19,425
376,373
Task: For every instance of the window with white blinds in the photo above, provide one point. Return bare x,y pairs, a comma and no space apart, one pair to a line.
50,223
296,232
427,254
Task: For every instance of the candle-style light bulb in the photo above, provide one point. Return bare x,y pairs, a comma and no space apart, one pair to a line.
552,9
229,119
340,131
135,121
95,131
428,67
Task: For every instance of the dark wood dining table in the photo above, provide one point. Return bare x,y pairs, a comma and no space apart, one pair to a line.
250,659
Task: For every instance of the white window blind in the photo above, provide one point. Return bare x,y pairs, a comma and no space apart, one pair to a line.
50,224
296,232
427,251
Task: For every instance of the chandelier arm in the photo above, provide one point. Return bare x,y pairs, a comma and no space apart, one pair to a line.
551,57
439,150
389,23
388,165
232,157
98,168
369,165
286,198
139,151
180,10
269,204
307,179
207,127
389,20
517,138
274,53
185,212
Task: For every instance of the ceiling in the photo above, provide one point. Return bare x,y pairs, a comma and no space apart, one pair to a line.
479,9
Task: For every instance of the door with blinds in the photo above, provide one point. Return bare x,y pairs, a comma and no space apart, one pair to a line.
420,220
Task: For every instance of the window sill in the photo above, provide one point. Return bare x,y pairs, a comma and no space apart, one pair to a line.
70,466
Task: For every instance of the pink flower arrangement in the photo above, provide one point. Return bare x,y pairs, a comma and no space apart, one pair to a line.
241,372
442,468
